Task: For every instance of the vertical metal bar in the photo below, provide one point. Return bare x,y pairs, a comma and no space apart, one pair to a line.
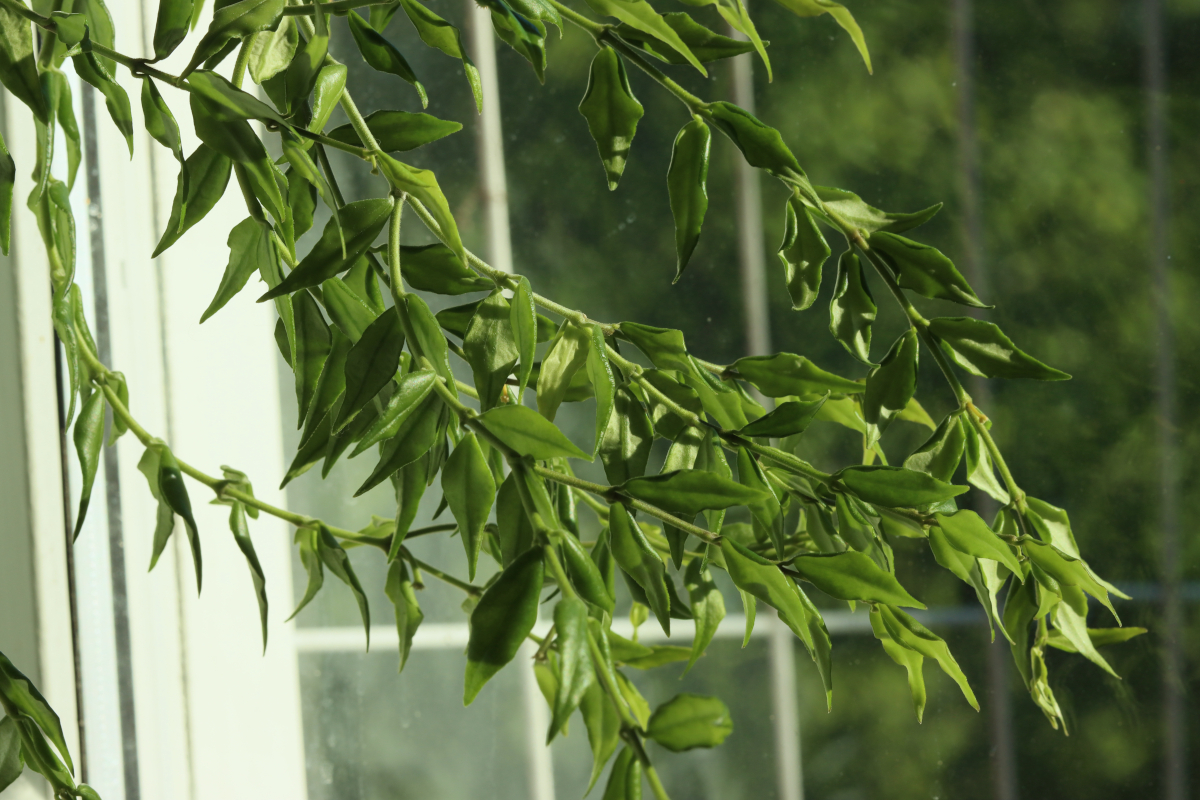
537,722
1000,724
1175,772
490,140
748,201
788,761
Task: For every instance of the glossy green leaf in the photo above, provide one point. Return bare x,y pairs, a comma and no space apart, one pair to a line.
300,77
911,634
18,70
663,346
575,661
853,576
625,779
361,221
491,348
803,254
11,763
22,696
1067,570
469,488
437,32
787,419
504,617
529,433
762,146
604,385
1052,525
399,590
349,312
241,536
410,392
312,347
895,487
370,365
523,320
164,517
813,8
941,453
640,15
89,442
422,185
785,374
688,721
585,574
235,21
250,250
912,661
174,494
435,268
203,178
706,45
399,130
852,309
690,491
640,562
335,558
160,124
272,51
708,608
891,385
228,101
515,532
603,728
567,353
8,177
687,184
381,54
611,110
968,533
981,472
924,269
982,349
850,207
413,439
625,445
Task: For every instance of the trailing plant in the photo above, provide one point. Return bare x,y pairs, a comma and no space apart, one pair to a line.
373,371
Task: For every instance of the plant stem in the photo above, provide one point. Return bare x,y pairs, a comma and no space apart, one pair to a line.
977,421
396,282
243,58
469,588
660,792
781,457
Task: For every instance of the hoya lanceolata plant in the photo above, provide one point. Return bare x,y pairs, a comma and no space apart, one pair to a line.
374,374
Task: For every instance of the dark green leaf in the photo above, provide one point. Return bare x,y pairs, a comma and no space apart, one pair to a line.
640,15
370,365
968,533
895,487
525,37
399,130
585,574
942,451
690,491
853,576
160,122
761,145
250,251
788,419
504,617
413,439
412,389
361,221
117,382
164,517
203,178
489,346
8,176
228,101
924,269
982,349
382,54
334,557
891,385
22,696
608,105
708,607
786,374
663,346
1067,570
603,384
422,186
312,347
640,562
625,778
813,8
705,45
803,253
399,590
429,341
437,32
174,493
528,433
852,309
89,441
349,312
18,70
687,184
688,721
981,473
575,661
523,320
308,539
235,21
469,489
301,74
603,725
852,209
11,763
625,445
241,535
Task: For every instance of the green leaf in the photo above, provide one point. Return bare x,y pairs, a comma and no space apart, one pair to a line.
272,51
504,617
688,721
98,71
241,536
891,385
640,15
370,365
227,101
312,348
567,353
469,488
11,763
1072,624
399,590
202,181
23,697
603,384
663,346
1052,525
690,491
625,446
640,562
437,32
411,390
523,320
235,21
334,557
924,269
786,374
909,633
174,493
381,54
968,533
813,8
708,607
361,221
981,473
853,576
852,309
757,577
1099,637
18,70
399,130
435,268
911,660
160,124
89,441
8,177
529,433
603,725
576,673
982,349
1067,570
895,487
308,540
687,184
803,254
585,574
348,312
705,45
625,779
117,382
490,348
422,185
250,251
413,439
164,517
940,454
761,145
611,110
301,74
852,209
787,419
